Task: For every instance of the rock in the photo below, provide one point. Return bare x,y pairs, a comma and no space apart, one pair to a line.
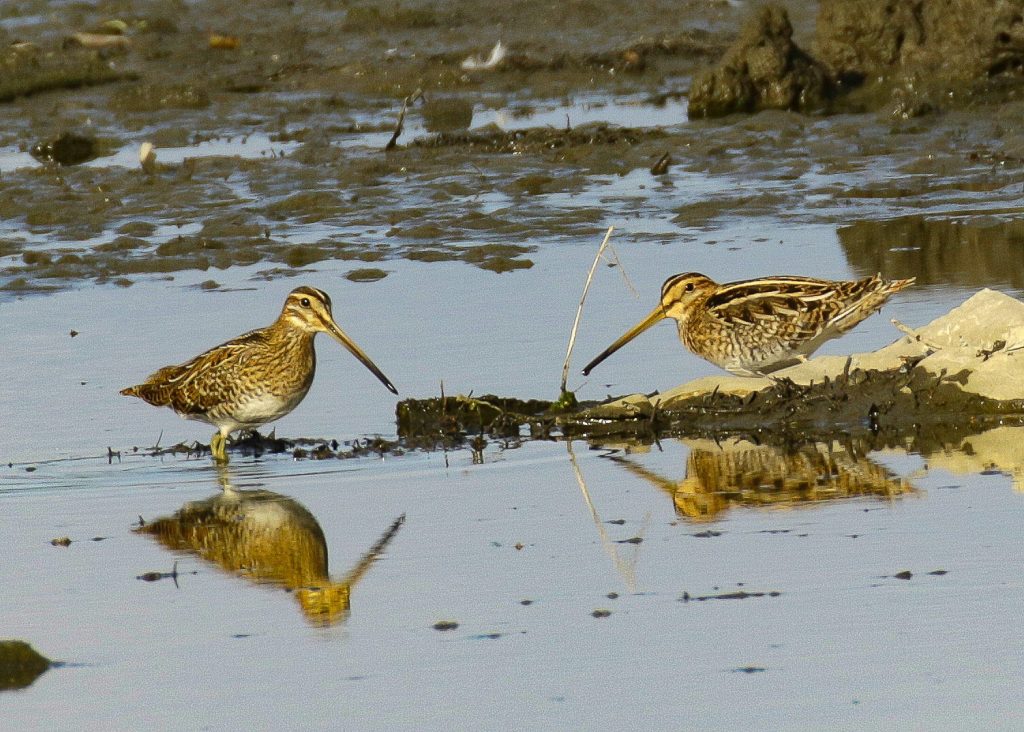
763,69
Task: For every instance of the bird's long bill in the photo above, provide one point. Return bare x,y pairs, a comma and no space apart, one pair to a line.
340,336
655,316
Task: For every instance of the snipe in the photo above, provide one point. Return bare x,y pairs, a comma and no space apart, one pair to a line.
255,378
754,327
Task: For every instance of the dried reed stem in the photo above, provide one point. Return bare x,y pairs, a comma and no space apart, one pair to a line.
579,309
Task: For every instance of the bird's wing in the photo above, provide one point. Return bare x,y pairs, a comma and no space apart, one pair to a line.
196,386
799,306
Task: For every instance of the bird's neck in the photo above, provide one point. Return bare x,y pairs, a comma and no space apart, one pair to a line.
284,335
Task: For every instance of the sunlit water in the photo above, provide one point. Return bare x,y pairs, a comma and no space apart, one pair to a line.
520,552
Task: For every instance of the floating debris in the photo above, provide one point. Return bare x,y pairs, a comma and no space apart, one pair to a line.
476,63
155,576
147,157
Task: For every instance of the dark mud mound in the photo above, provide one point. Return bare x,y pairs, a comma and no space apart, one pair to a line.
908,57
913,57
763,69
951,42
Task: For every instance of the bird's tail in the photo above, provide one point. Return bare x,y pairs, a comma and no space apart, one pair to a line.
151,393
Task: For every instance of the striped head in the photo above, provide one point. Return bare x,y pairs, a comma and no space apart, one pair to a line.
681,291
678,295
308,309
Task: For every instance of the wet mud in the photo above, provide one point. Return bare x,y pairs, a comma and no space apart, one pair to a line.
271,153
891,404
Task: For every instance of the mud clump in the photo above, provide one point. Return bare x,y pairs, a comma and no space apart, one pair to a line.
763,69
451,420
27,69
443,115
365,274
20,664
68,148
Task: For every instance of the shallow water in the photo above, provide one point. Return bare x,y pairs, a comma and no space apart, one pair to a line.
512,551
844,644
687,583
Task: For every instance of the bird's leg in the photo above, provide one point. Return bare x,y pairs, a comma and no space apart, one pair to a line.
217,445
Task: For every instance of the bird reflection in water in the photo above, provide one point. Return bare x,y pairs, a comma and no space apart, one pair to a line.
267,538
741,473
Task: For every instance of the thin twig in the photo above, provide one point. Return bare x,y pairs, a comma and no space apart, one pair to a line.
622,271
579,309
401,118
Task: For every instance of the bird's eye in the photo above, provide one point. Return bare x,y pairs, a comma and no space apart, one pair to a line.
689,287
304,302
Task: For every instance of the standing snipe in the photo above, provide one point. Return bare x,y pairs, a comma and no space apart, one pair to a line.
754,327
255,378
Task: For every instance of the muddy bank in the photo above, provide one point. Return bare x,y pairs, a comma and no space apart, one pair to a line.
763,69
907,58
954,376
962,367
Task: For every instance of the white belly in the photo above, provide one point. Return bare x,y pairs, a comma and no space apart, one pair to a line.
253,412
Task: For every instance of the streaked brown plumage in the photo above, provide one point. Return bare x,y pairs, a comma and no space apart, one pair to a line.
754,327
255,378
